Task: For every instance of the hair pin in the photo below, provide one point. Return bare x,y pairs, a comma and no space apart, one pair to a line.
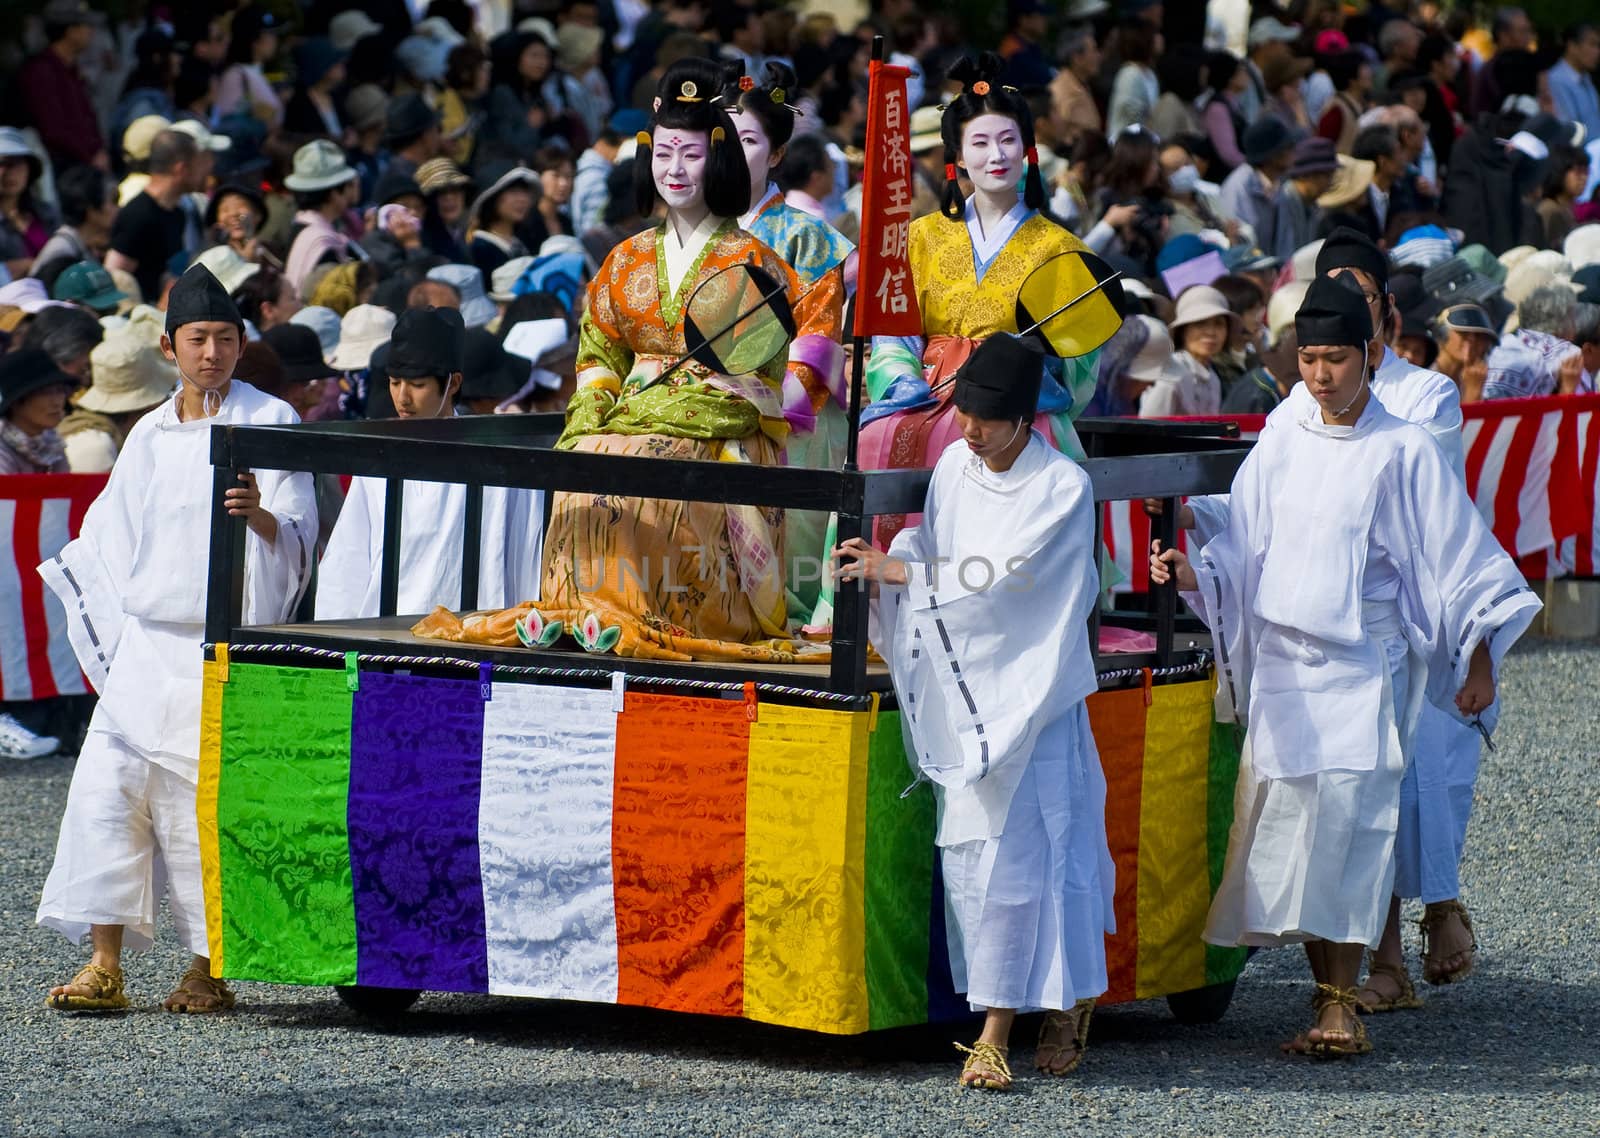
778,95
747,83
718,134
642,138
656,106
949,171
689,92
980,88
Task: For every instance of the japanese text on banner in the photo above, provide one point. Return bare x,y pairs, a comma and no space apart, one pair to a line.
886,304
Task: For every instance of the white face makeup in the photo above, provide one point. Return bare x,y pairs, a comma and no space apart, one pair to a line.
678,165
757,154
992,152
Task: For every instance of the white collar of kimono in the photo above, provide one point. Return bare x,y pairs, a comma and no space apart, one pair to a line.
1008,481
680,255
1369,414
756,207
170,420
986,246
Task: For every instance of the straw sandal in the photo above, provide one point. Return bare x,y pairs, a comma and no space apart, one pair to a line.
199,993
105,986
1063,1033
1405,1000
1358,1042
1433,962
986,1068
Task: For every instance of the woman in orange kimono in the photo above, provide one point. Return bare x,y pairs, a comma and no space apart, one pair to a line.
656,577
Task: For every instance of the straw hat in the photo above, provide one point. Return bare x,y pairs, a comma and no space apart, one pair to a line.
130,373
1201,302
364,329
1153,363
1350,182
439,174
227,266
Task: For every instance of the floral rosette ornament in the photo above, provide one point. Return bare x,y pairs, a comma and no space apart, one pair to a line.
592,636
536,632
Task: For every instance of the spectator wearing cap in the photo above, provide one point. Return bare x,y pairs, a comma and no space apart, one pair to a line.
1201,329
311,109
1269,39
1073,109
24,224
1351,76
33,401
1220,113
1282,77
472,300
1571,80
1250,193
149,230
55,98
89,286
585,90
445,189
88,201
131,379
325,188
1308,178
1135,90
497,216
351,26
411,134
243,89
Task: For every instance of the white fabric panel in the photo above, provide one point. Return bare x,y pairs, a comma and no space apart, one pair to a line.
544,842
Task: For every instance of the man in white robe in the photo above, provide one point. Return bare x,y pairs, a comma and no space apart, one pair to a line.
982,614
134,587
1436,792
424,375
1353,581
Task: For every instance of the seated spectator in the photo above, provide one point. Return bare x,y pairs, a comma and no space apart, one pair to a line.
1351,75
88,285
621,218
1307,179
24,225
1538,357
556,171
67,334
589,176
131,378
497,218
88,201
1250,193
411,134
466,84
320,72
33,401
1282,77
805,174
1566,176
301,372
1201,328
235,216
325,188
1242,353
444,216
266,298
244,89
1268,383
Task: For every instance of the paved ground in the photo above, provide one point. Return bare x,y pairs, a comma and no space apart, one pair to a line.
1510,1052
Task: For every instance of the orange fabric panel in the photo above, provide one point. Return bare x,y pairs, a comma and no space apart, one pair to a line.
1117,719
677,849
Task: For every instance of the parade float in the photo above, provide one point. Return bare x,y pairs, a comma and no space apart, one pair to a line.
388,814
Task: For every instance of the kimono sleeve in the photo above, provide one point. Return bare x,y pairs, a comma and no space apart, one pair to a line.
603,353
1226,568
278,571
350,563
1463,588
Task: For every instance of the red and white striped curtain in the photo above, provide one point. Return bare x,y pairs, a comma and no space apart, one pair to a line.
39,513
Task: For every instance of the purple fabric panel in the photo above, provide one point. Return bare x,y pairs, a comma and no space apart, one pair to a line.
416,755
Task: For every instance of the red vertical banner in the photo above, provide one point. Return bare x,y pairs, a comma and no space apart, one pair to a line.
886,300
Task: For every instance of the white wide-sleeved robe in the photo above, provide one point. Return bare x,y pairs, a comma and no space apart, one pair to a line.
1443,752
988,645
1353,581
133,584
433,521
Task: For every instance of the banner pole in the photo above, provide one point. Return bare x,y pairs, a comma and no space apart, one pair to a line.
858,346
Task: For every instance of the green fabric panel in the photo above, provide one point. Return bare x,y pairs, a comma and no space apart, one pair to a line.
288,909
1222,964
899,885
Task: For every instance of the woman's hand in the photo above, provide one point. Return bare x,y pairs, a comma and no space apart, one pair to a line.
857,560
1171,564
1121,216
1477,693
245,502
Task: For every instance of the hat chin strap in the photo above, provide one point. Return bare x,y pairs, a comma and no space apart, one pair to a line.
1343,411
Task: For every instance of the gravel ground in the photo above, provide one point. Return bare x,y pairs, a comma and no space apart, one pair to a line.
1506,1053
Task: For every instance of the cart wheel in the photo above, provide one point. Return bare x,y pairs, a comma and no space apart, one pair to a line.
376,1003
1201,1005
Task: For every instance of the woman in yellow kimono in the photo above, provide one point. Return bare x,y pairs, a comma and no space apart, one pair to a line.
968,262
655,577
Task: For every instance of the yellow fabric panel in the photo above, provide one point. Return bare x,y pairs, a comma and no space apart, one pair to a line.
206,807
804,889
1174,878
